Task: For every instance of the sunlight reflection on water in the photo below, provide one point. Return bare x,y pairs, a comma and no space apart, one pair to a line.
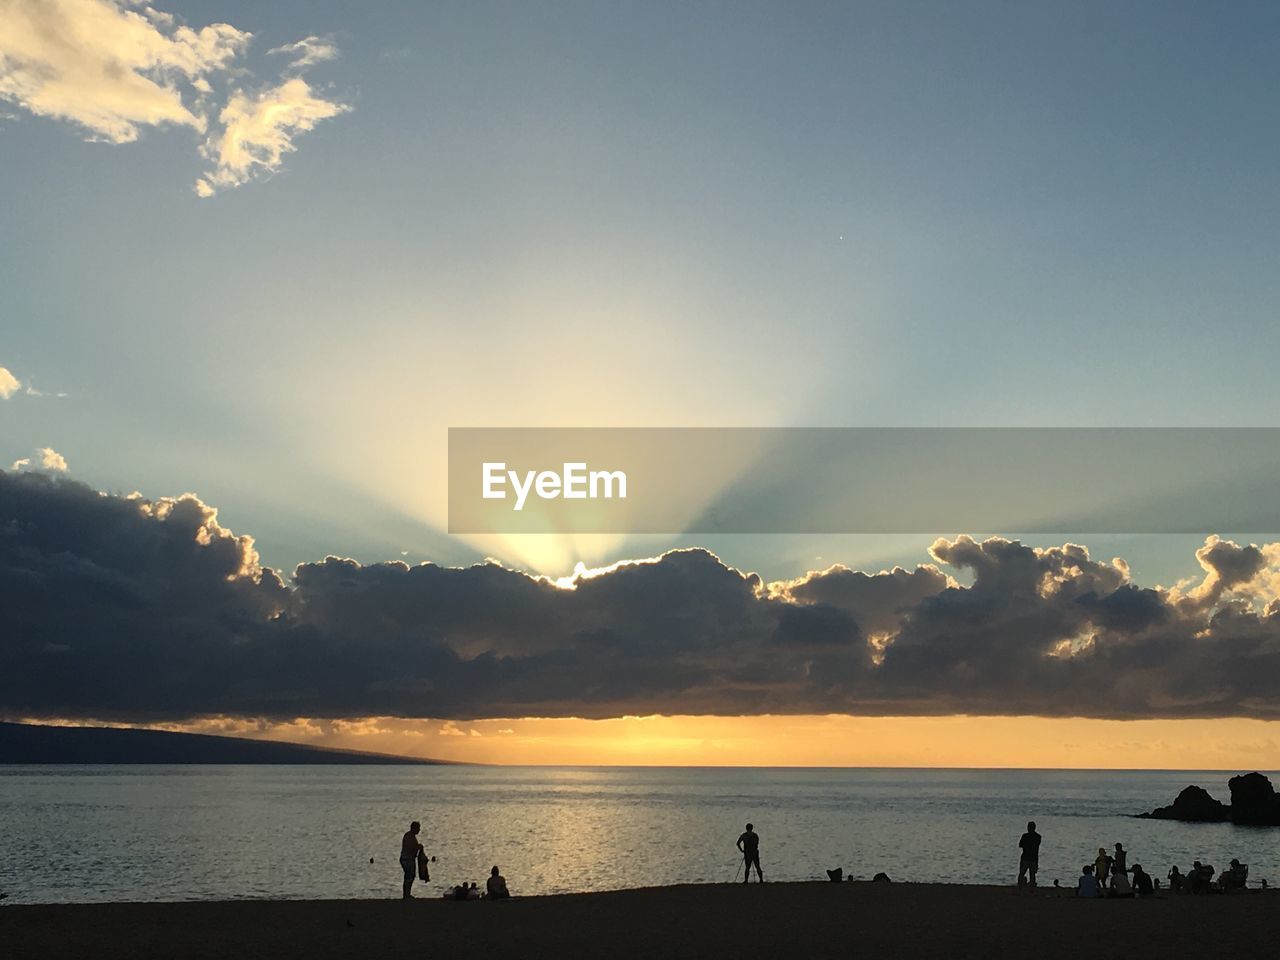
177,833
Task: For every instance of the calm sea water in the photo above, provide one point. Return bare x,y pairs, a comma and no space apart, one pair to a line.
197,832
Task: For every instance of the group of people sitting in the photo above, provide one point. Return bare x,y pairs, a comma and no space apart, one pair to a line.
1199,879
495,888
1133,882
1110,876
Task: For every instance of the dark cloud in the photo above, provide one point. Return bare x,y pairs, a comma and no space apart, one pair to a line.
124,608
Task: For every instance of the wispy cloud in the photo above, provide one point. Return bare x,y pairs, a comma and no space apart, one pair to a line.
10,386
114,68
257,130
32,391
308,51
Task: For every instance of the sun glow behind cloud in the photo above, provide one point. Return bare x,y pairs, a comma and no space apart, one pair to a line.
536,347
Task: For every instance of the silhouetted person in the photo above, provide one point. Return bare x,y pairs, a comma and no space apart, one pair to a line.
1201,877
1102,866
496,886
749,844
1235,876
409,850
1029,862
1087,885
1175,879
1120,885
1118,862
1142,884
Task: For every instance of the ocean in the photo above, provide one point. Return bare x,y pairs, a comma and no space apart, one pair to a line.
120,833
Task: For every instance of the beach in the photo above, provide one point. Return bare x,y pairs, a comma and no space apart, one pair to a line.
689,921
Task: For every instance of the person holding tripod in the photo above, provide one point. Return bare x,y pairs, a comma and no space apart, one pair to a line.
749,844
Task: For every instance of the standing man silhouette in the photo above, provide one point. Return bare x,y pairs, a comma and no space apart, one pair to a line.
409,850
1029,862
749,844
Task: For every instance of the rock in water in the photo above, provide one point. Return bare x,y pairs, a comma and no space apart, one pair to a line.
1254,801
1193,803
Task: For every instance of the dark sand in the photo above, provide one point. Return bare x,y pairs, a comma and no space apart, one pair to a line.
807,920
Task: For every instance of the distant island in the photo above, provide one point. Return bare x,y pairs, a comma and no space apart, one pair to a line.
1254,802
40,743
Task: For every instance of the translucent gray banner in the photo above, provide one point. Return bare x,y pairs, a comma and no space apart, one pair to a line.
864,480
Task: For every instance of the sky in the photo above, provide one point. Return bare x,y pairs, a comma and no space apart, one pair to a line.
267,254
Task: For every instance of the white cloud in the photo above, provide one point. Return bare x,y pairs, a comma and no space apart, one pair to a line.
9,384
31,391
258,130
105,66
115,67
308,51
46,460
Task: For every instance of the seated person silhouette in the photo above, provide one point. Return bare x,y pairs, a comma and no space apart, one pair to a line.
1087,885
1235,876
496,886
1142,885
1200,876
1120,886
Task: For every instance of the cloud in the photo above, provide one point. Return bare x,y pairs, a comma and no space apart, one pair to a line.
258,130
308,51
877,600
107,67
125,608
1227,566
46,460
113,68
11,385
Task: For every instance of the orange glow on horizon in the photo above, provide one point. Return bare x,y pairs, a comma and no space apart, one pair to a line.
794,741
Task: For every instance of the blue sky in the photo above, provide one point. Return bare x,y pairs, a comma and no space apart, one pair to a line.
591,214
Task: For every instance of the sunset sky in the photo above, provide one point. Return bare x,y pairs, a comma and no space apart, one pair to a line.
267,254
